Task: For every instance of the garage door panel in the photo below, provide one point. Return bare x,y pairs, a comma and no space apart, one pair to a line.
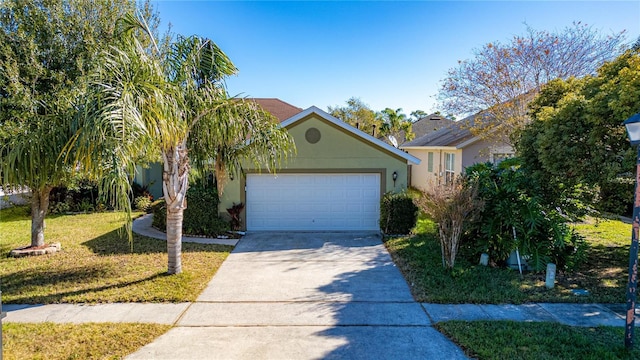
313,202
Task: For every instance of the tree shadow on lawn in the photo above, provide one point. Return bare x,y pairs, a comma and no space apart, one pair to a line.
116,243
49,279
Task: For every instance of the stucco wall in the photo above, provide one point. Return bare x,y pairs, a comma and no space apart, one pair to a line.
421,177
337,151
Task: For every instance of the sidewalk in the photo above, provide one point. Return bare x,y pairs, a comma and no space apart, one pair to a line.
588,315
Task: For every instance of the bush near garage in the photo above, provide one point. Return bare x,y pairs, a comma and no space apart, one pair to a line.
398,213
200,216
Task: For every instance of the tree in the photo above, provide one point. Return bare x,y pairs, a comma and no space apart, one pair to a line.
358,114
501,79
173,102
417,115
394,122
47,48
576,137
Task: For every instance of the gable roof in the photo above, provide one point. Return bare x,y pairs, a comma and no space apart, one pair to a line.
278,108
426,125
350,129
455,134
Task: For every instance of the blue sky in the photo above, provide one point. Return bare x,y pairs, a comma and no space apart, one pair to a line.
389,54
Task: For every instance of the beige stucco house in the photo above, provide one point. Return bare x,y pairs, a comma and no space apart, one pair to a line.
446,152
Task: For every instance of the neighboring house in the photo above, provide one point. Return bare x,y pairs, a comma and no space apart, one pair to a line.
333,182
426,125
446,152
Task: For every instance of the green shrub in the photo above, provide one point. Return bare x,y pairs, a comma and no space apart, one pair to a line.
511,204
616,197
398,213
200,217
142,203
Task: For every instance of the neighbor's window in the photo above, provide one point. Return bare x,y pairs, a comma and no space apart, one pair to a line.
449,166
430,162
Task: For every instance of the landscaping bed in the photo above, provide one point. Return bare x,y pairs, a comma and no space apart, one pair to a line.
603,275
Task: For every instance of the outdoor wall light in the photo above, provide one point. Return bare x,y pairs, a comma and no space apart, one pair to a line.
395,177
633,131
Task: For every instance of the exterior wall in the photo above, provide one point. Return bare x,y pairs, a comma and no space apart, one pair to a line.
337,151
421,177
477,152
152,177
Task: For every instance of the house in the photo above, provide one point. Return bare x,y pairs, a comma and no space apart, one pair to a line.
334,181
426,125
446,152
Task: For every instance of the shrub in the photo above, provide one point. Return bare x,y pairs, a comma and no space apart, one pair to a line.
78,195
398,213
616,197
451,206
142,203
511,204
200,216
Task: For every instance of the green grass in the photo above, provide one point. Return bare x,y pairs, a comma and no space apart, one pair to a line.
96,263
604,274
487,340
76,341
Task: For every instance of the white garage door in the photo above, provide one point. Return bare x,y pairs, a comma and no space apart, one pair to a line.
313,202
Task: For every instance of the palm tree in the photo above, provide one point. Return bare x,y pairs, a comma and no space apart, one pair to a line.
173,102
394,122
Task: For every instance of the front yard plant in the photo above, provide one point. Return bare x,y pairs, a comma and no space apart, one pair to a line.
603,273
398,213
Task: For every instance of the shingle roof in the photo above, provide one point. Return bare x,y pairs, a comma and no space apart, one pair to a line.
453,134
278,108
426,125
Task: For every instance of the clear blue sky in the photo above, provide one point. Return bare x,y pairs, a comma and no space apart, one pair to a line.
389,54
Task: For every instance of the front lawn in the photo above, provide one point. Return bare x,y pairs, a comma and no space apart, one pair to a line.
76,341
96,263
604,274
499,340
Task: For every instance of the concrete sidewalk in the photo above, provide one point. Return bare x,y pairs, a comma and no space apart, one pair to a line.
588,315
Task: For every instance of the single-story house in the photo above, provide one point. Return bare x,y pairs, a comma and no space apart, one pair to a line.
446,152
334,181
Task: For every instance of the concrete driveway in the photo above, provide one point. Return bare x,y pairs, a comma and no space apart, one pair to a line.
304,296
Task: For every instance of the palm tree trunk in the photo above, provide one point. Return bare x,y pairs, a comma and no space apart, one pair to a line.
39,207
175,181
174,240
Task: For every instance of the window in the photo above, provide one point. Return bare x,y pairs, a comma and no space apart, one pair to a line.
430,162
449,166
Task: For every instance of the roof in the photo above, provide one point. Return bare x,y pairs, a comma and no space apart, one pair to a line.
278,108
456,133
350,129
426,125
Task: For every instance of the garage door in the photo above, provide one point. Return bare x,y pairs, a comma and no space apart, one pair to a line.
313,202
